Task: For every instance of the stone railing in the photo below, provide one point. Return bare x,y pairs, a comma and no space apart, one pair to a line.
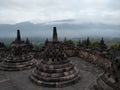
71,53
94,58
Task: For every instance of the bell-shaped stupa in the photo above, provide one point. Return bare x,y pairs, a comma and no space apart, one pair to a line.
55,70
18,57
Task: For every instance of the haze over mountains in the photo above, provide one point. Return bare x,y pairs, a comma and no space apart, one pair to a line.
65,29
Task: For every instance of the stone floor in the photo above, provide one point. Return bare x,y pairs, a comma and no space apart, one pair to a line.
18,80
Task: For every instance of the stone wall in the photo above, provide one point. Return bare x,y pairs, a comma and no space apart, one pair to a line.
71,53
88,56
93,58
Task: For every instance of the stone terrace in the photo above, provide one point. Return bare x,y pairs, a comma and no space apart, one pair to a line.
19,80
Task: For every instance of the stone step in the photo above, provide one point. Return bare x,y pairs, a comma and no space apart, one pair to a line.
17,60
55,79
55,70
16,68
55,84
18,63
54,74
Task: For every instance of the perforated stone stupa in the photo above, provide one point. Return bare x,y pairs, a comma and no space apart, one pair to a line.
55,70
18,57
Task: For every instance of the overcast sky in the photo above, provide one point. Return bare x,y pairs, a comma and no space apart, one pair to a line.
80,11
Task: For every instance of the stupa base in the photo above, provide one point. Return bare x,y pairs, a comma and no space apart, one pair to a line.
55,84
17,66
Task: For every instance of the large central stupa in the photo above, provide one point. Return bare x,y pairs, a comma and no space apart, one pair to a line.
55,70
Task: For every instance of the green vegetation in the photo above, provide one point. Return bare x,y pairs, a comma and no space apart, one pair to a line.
95,44
70,42
114,47
8,46
86,42
36,47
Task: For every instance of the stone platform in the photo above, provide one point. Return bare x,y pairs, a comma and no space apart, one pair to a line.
19,80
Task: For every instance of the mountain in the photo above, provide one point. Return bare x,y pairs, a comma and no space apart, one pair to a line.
65,29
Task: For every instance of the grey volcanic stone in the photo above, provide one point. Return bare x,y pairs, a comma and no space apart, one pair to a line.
19,80
55,70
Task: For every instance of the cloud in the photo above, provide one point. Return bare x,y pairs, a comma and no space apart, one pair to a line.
80,11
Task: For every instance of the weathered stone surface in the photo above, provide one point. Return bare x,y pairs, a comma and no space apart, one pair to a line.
18,57
55,70
19,80
110,80
96,59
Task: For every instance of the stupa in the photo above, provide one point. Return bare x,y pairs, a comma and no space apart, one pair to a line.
55,70
18,57
2,45
103,49
110,80
102,46
2,50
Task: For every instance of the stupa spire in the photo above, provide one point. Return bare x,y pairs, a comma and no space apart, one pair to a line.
18,36
55,37
102,41
27,41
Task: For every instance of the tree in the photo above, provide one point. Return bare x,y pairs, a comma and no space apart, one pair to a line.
70,42
95,44
114,47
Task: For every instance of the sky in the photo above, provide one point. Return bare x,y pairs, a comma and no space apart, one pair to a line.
45,11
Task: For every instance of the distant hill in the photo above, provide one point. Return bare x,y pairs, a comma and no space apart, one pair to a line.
70,30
